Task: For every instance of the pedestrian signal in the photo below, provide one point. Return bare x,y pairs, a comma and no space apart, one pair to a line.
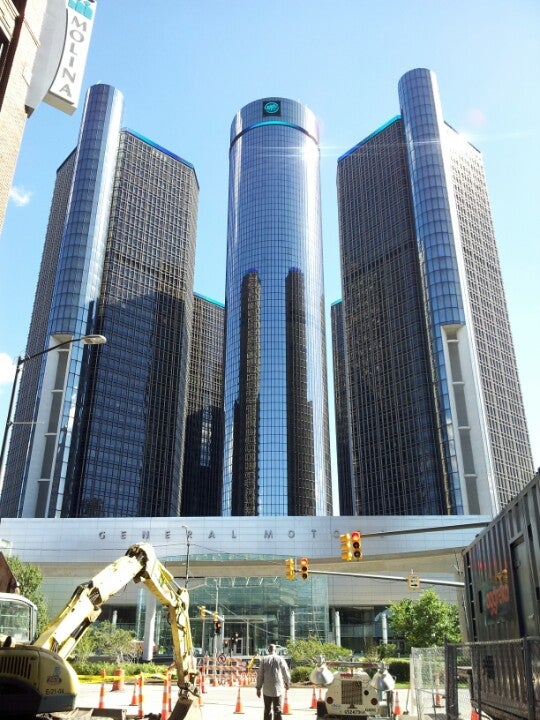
289,569
356,542
304,568
346,548
217,626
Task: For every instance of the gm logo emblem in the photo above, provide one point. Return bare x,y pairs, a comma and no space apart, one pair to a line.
271,107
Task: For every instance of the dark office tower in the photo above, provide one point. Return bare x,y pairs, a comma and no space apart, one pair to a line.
437,420
22,431
203,455
108,423
343,445
276,457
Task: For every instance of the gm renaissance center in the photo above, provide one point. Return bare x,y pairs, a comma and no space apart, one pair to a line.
203,428
276,459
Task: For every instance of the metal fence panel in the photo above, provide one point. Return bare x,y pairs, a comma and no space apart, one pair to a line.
502,680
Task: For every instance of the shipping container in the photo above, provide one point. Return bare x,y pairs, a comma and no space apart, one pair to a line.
502,572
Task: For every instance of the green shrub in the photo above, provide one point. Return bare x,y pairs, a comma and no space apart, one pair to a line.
301,673
95,668
400,669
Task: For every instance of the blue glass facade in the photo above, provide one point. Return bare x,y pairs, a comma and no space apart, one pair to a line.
108,433
203,454
131,427
276,459
435,411
395,467
80,263
437,237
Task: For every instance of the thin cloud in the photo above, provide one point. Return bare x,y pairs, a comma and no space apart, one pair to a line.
20,196
7,369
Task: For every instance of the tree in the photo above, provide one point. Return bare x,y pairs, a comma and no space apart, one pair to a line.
112,641
307,652
30,578
428,622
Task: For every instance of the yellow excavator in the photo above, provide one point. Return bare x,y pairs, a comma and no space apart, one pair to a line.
36,678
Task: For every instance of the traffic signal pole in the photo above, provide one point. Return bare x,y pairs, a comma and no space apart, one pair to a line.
427,581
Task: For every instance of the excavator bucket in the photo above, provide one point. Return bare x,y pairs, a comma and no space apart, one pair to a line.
186,709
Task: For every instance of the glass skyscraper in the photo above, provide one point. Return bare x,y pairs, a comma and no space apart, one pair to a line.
102,429
203,453
434,405
276,457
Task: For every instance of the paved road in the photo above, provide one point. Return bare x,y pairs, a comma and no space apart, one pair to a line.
218,702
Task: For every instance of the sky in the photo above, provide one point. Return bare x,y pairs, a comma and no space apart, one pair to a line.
186,67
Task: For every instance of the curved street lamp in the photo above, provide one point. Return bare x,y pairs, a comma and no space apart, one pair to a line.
85,340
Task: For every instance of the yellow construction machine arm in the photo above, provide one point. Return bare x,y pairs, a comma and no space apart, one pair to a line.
162,584
141,565
53,683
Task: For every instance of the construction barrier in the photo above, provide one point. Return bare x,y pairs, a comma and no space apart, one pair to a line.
438,699
140,713
203,680
118,681
165,700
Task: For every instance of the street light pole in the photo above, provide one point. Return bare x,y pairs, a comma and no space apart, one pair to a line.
187,554
85,339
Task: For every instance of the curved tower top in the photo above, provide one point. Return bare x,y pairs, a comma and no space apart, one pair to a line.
275,111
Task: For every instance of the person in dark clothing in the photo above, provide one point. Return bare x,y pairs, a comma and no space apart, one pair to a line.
273,677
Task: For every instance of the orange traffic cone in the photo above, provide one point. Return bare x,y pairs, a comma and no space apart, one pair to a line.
313,700
140,713
135,696
239,709
438,699
200,691
101,704
203,681
286,709
397,708
165,700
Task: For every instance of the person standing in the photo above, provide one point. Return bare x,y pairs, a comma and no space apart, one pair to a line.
273,677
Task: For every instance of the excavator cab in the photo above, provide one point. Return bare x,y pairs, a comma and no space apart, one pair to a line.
18,618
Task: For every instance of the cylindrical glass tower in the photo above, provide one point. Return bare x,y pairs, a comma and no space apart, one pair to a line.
276,409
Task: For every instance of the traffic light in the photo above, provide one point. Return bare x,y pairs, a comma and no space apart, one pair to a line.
346,548
289,569
202,611
356,541
304,568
